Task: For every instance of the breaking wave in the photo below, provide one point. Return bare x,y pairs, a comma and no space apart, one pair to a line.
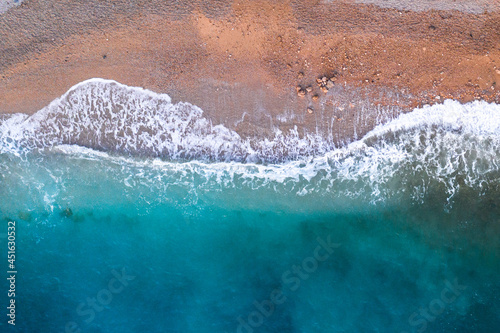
448,146
108,116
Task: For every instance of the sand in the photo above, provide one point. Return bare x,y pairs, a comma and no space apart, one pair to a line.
242,61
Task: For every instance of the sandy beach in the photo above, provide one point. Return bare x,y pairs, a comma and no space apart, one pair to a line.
254,66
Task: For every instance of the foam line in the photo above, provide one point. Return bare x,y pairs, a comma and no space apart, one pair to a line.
451,143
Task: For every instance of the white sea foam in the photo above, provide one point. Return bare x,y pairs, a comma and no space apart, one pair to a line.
433,145
450,144
106,115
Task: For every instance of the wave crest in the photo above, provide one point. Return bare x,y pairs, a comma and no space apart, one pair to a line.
448,145
106,115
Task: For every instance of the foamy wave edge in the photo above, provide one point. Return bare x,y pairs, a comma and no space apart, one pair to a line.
108,116
451,143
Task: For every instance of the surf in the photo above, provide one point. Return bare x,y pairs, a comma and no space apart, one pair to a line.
450,145
110,178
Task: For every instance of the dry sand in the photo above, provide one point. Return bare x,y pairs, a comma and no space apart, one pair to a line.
242,61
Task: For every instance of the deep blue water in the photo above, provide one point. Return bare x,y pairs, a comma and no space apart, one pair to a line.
185,227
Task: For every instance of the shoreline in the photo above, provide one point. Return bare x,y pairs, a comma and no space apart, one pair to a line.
242,62
195,138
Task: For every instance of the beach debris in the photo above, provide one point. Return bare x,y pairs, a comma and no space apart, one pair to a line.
324,83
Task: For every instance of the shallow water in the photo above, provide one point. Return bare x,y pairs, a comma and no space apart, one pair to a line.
136,215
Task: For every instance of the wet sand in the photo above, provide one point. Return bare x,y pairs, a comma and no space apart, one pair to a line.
242,62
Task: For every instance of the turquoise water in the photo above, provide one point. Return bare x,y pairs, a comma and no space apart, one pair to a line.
137,215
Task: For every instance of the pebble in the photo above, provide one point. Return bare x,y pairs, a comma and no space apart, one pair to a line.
329,84
324,89
309,89
301,93
300,75
67,212
310,110
315,97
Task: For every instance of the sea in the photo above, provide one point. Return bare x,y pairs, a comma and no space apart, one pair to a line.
124,212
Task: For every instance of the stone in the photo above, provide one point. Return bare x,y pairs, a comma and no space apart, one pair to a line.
310,110
301,93
300,75
324,89
309,89
67,212
315,97
329,84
